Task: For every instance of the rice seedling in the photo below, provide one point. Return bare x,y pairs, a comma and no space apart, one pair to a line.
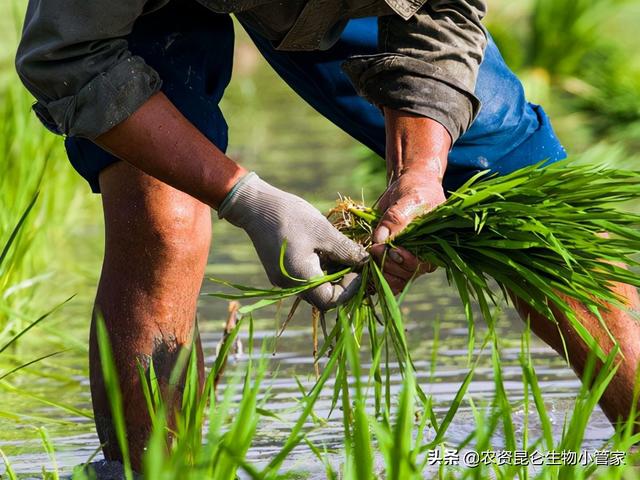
537,232
31,162
179,446
592,73
398,436
48,447
545,25
6,265
401,434
11,474
376,422
11,364
545,457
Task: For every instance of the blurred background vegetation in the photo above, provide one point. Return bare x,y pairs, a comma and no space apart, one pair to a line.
578,58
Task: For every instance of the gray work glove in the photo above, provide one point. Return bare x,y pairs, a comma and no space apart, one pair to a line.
269,216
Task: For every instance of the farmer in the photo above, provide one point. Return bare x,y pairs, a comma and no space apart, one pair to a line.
135,85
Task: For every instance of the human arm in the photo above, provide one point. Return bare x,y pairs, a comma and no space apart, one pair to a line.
423,79
428,61
416,156
160,141
77,64
74,58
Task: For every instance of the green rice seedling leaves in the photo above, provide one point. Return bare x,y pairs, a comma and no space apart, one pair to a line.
359,445
401,467
48,447
554,215
593,387
45,400
539,239
283,269
22,332
271,296
231,429
395,440
29,419
627,436
29,363
501,399
295,435
112,386
8,468
451,412
30,221
536,233
571,23
322,456
15,338
238,439
16,230
234,444
531,380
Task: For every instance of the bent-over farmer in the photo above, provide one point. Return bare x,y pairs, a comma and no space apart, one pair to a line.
134,87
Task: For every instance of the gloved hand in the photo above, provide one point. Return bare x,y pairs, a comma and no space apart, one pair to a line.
271,216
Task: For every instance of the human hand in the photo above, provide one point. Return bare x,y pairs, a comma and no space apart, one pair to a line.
410,195
271,216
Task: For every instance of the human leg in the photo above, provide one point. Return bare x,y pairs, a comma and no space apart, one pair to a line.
617,400
157,238
156,248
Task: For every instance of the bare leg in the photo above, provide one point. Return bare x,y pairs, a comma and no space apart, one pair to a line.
156,248
617,400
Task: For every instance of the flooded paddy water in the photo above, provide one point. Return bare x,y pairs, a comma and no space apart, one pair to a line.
292,147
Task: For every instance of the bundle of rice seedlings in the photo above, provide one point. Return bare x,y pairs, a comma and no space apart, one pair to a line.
539,232
544,234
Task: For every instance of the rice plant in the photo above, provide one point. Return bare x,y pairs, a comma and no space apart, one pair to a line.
211,437
402,434
6,264
179,446
554,36
212,434
573,24
609,93
31,161
537,232
11,365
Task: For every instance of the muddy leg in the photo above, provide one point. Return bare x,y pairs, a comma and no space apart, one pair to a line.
156,248
617,400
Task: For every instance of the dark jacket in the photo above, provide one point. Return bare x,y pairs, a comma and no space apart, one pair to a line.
74,59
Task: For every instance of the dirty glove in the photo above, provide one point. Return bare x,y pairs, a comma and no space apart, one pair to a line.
271,216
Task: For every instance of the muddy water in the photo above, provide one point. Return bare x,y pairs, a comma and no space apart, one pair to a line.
294,148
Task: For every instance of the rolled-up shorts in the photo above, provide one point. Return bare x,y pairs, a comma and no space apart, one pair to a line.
192,50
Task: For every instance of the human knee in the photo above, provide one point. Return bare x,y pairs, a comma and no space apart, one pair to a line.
179,230
158,226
